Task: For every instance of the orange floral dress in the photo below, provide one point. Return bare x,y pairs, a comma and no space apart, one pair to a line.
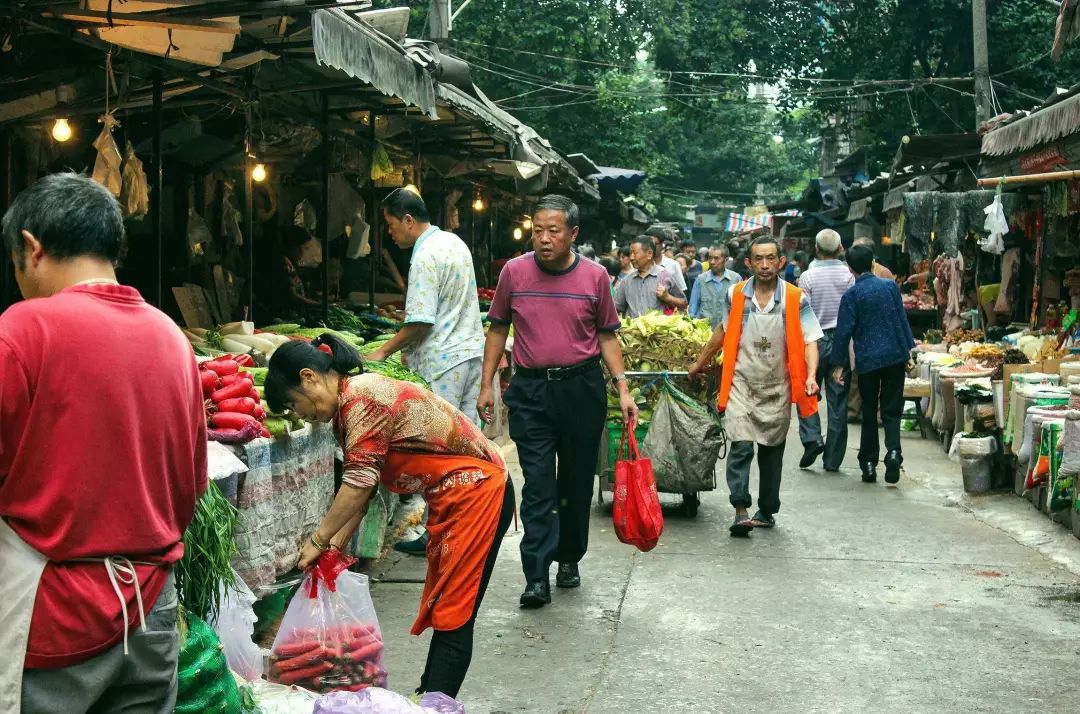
416,442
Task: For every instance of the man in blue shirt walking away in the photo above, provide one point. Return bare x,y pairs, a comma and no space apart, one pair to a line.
872,314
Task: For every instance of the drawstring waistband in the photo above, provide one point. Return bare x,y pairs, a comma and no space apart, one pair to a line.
121,570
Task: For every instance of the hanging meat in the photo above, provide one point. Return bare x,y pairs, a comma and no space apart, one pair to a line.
134,188
107,166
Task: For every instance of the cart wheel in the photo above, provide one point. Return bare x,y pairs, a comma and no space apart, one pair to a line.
690,504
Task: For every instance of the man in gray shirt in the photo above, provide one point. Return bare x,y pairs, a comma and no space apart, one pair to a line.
651,287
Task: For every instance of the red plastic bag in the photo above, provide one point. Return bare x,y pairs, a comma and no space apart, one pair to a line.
329,639
638,518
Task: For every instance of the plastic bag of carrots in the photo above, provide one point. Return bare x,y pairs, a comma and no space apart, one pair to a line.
329,639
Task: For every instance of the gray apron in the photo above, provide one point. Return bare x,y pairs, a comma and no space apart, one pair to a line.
759,405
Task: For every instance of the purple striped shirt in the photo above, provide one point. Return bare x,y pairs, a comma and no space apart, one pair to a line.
556,314
824,284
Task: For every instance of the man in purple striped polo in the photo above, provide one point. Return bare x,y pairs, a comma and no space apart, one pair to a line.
564,322
824,284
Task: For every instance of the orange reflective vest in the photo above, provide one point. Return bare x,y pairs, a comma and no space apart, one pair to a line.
796,349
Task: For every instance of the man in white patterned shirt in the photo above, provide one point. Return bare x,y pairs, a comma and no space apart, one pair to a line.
443,338
824,284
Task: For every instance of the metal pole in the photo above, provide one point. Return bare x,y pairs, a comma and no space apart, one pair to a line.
983,109
157,197
249,233
324,220
374,239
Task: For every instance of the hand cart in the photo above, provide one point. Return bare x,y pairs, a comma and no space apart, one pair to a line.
609,447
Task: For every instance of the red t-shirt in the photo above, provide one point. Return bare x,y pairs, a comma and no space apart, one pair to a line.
102,452
556,314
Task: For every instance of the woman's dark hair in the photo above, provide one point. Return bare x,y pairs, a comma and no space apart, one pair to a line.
624,251
610,265
860,259
291,358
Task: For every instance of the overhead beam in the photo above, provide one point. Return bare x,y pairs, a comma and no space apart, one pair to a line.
96,17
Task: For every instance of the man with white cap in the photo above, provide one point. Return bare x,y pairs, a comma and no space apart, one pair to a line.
824,284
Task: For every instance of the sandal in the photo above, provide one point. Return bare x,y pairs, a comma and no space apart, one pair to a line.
741,527
760,520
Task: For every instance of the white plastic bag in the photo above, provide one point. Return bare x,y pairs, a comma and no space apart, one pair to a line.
280,699
977,446
235,627
329,639
996,226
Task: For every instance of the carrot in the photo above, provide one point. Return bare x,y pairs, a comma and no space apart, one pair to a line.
240,405
231,420
319,654
366,652
240,388
222,367
293,649
296,675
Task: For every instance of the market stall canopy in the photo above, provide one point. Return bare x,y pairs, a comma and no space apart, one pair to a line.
929,150
1054,119
622,180
359,50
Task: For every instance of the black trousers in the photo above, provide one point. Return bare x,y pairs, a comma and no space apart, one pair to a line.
450,652
556,426
884,387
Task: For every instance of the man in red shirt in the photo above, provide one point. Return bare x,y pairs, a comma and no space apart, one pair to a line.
102,457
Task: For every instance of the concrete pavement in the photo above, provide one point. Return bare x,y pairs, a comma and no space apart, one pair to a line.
864,598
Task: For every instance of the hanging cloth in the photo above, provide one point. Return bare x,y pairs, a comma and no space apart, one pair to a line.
107,166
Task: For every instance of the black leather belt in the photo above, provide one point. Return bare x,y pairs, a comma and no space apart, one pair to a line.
556,373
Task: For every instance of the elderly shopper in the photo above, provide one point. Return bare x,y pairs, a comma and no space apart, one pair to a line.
651,287
564,321
824,284
872,314
709,297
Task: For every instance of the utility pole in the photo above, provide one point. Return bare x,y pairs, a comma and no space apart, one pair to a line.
439,21
983,110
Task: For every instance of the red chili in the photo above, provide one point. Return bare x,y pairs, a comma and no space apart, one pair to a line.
231,420
222,366
240,388
240,405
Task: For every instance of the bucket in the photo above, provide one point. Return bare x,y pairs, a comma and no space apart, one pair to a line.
977,472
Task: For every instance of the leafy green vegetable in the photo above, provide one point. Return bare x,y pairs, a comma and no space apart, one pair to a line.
208,551
284,328
395,370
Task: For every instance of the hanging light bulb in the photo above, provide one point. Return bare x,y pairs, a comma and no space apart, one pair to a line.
518,233
527,223
258,173
61,130
478,205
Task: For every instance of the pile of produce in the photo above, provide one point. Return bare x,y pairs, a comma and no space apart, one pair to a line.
392,366
345,658
956,337
918,300
234,408
485,296
1039,347
656,342
238,338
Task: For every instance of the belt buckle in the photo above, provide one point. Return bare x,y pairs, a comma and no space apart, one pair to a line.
547,374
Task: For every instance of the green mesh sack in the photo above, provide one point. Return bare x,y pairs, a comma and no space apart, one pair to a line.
204,684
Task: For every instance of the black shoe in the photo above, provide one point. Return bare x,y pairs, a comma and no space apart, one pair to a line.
536,595
869,472
893,461
811,451
416,546
568,576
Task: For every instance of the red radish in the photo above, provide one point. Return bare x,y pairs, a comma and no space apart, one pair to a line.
244,360
240,405
264,432
209,380
258,412
319,654
294,649
241,388
223,367
231,420
234,378
254,394
296,675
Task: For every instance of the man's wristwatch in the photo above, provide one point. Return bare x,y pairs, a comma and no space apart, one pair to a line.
618,378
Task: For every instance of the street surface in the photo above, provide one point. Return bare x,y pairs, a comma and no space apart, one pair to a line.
864,599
